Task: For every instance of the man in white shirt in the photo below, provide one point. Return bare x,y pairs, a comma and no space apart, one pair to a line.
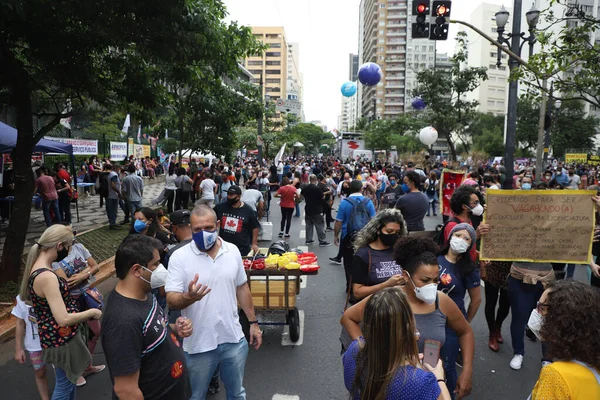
254,198
218,340
208,189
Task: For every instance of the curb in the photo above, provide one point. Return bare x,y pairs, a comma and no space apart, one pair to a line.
8,322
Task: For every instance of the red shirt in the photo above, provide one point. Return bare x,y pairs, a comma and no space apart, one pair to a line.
287,193
62,174
47,187
449,226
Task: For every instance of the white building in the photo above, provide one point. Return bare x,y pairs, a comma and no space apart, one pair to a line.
294,77
492,94
420,55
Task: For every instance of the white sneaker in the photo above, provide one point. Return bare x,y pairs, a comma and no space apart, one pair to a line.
545,363
516,362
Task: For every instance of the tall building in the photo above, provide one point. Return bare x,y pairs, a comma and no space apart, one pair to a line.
353,67
294,76
492,93
350,111
273,63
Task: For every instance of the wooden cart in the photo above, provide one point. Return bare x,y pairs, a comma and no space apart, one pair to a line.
275,291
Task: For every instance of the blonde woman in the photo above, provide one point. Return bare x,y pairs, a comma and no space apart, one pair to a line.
62,332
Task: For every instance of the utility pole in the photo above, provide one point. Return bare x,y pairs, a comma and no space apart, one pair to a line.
259,141
539,161
547,125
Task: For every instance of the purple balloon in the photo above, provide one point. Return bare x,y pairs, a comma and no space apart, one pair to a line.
369,74
418,103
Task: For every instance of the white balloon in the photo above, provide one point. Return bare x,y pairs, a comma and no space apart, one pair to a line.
428,135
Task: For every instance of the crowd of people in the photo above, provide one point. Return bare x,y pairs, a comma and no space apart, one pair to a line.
170,328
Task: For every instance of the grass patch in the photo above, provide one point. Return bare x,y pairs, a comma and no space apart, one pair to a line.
103,242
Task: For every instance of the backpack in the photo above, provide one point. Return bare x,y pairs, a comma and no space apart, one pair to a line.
359,216
431,187
439,235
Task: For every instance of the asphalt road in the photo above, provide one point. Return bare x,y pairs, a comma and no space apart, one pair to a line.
312,369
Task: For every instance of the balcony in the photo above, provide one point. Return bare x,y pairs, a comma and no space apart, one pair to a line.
394,77
395,69
396,34
394,85
391,95
396,51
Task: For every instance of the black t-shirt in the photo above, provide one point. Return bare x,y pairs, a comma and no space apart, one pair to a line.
237,225
414,206
136,337
391,195
383,266
324,188
314,200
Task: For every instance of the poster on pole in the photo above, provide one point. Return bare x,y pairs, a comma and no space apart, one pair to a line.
118,151
141,151
81,147
539,226
348,146
449,182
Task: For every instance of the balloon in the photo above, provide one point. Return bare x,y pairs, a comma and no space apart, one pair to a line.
418,103
349,89
428,135
369,74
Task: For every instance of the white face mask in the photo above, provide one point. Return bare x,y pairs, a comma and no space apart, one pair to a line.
477,210
458,245
158,277
535,323
427,293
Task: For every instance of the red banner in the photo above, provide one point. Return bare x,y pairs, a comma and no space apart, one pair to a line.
450,181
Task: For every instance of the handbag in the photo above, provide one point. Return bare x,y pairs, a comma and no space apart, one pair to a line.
93,298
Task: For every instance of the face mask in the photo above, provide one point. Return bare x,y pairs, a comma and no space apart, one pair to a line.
388,240
458,245
477,210
535,323
526,186
205,240
139,226
62,254
427,293
232,202
158,277
405,188
393,182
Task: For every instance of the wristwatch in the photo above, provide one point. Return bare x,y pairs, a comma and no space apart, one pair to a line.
253,322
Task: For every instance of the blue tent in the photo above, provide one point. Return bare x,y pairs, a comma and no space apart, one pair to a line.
8,141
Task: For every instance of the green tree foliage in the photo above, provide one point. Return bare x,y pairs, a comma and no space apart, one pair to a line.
113,53
490,141
485,121
310,135
442,90
382,134
572,128
528,120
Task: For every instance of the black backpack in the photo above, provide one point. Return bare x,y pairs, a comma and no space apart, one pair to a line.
439,235
431,187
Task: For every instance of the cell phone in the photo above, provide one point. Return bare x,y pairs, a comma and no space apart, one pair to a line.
431,352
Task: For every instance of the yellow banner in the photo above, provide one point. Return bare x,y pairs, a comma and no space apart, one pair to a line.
539,226
593,160
576,158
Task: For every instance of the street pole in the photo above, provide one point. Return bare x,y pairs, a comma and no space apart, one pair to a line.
547,133
513,97
539,161
260,124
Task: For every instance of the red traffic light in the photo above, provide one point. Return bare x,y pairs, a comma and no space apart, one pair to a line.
421,8
441,10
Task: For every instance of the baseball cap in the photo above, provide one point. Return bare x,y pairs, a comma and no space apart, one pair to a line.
180,217
234,190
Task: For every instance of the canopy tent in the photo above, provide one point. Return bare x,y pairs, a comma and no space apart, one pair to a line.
8,141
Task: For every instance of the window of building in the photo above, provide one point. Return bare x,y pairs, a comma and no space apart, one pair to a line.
273,36
491,103
502,68
381,41
272,80
275,45
273,54
424,49
381,23
380,58
494,30
380,49
273,62
492,66
382,5
493,54
272,72
381,31
273,89
255,71
255,63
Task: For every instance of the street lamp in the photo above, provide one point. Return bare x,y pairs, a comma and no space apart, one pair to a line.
515,41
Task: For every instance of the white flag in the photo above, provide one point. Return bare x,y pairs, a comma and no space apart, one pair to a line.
66,122
126,125
166,133
279,155
139,135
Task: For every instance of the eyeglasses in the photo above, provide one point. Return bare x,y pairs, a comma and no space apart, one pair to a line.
474,202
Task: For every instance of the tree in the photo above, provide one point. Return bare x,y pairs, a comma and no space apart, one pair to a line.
491,141
310,135
382,134
107,51
442,91
572,128
485,121
528,120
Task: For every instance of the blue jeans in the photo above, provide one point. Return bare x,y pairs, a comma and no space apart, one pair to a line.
523,299
46,205
570,271
111,210
63,388
297,210
230,358
448,353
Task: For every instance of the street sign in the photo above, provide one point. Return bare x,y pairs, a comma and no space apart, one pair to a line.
291,106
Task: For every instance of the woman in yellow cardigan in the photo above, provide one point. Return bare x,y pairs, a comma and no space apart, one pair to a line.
568,319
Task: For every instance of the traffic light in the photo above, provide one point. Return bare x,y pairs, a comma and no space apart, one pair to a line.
441,12
420,29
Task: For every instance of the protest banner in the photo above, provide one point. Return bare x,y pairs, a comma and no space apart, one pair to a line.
593,160
576,158
81,147
118,151
450,181
539,226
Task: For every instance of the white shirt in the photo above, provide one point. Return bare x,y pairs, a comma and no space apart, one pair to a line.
280,168
252,197
170,182
32,337
208,189
215,317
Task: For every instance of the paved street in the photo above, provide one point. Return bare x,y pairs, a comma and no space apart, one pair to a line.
312,369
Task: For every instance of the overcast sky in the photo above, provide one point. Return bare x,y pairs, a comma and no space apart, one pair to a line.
327,31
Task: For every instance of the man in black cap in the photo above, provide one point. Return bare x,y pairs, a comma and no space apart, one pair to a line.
180,220
238,222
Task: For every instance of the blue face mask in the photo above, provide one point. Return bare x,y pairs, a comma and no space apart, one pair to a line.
526,186
392,182
405,188
205,240
139,226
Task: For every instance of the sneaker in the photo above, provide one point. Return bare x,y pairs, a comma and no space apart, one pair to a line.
287,235
280,234
546,363
530,335
516,362
80,381
335,260
93,370
213,386
310,241
324,244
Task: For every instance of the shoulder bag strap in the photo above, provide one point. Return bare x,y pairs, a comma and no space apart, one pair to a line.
592,370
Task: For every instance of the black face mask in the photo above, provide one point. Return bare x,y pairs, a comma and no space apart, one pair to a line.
389,240
62,254
233,201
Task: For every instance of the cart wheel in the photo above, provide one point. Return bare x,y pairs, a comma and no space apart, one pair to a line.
245,324
294,323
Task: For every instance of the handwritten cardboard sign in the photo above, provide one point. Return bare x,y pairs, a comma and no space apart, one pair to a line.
539,225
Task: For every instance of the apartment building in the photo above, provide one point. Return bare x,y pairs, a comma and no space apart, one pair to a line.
295,79
350,105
